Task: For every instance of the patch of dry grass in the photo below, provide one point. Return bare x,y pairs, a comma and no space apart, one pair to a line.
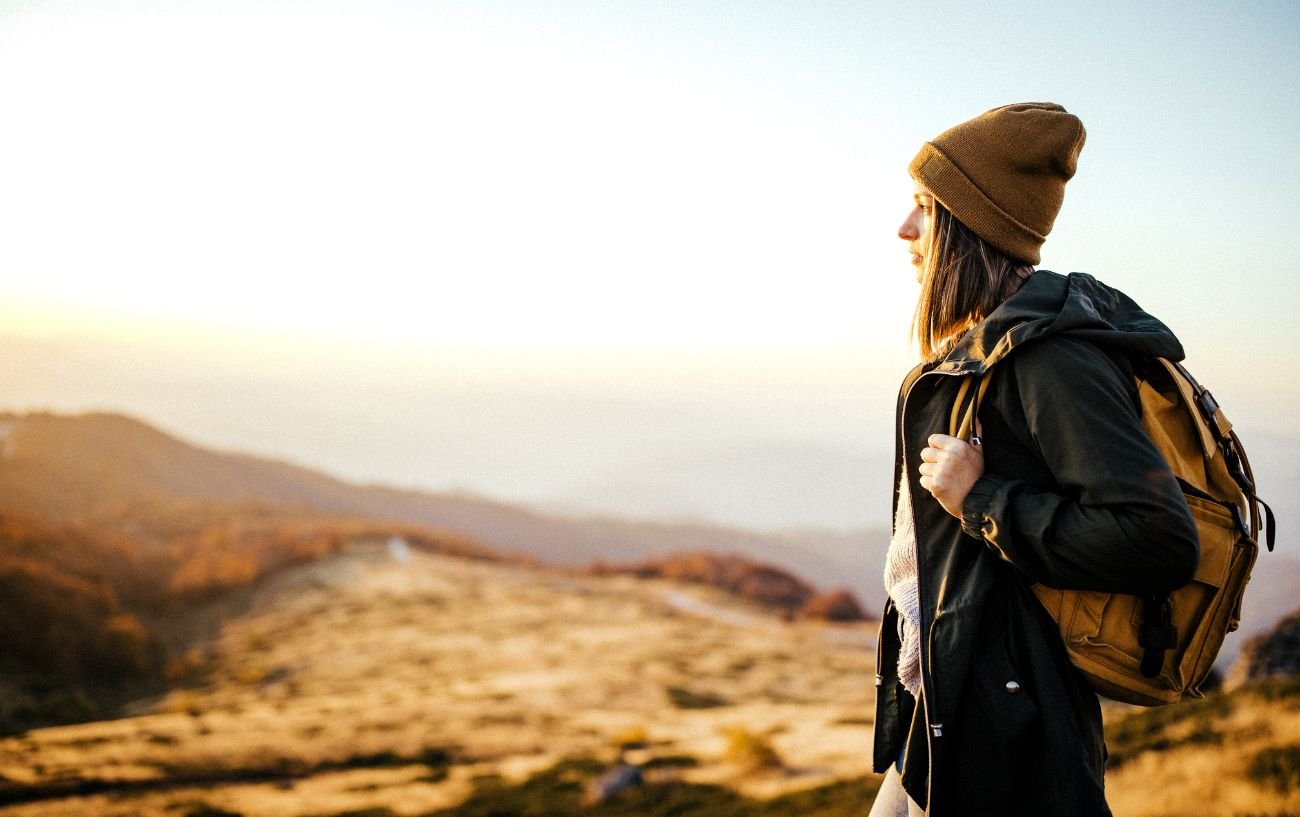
1198,756
360,685
344,675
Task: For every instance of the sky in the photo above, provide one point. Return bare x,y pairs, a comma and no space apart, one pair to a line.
691,203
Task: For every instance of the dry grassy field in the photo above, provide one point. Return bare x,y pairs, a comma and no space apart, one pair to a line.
369,685
364,682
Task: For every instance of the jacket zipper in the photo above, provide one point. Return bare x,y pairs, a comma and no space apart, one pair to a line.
880,645
933,731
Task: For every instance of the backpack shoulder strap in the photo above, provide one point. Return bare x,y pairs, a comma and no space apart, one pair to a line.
961,420
1217,436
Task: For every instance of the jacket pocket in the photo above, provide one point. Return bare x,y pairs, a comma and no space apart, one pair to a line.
997,731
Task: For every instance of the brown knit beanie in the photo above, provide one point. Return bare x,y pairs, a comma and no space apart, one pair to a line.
1003,173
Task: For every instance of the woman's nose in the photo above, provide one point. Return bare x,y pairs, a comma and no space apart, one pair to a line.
908,230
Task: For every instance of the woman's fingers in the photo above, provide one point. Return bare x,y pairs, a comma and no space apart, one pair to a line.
944,442
949,467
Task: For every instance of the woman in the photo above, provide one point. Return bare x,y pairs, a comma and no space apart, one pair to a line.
979,711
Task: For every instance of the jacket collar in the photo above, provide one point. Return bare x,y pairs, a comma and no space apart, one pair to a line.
1049,303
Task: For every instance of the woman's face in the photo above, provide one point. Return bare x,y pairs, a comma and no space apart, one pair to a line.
915,229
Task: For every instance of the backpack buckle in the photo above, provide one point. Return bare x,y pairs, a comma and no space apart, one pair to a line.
1156,634
1209,408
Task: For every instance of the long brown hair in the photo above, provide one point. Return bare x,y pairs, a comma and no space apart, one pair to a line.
963,280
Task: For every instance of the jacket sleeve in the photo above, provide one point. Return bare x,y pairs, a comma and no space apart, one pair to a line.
1115,520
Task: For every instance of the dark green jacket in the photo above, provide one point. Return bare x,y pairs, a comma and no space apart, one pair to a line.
1074,495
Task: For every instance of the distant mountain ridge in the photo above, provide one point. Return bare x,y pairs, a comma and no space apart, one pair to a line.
88,468
95,468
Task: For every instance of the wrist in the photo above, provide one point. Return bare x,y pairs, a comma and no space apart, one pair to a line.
974,506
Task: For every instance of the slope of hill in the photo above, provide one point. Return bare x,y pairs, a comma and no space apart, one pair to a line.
439,686
367,681
1233,753
97,468
90,618
124,526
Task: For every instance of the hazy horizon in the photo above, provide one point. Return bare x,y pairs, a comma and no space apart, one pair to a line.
736,440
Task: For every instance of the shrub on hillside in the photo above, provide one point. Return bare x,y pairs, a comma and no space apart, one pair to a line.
763,583
77,601
838,605
1148,730
1274,654
683,698
69,628
744,748
559,790
1277,768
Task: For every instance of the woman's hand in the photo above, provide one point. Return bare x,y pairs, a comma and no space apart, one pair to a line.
950,467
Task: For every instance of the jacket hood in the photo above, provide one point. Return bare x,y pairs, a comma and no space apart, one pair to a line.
1077,305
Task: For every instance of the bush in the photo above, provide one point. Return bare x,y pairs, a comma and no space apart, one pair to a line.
683,698
838,605
1285,688
634,737
752,751
1147,730
1276,768
671,762
205,810
845,797
558,791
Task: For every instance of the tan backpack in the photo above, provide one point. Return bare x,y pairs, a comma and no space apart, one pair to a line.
1153,651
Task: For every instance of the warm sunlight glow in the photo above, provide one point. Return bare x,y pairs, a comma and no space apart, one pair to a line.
407,176
558,251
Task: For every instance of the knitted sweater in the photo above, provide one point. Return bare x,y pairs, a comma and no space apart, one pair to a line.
901,584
